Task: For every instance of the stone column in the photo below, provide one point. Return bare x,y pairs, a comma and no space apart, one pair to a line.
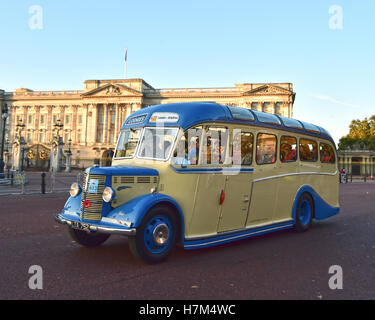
36,123
13,122
74,125
94,124
117,119
109,124
62,114
260,106
105,123
25,121
49,124
85,107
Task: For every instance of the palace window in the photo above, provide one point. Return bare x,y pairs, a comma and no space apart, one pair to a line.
278,108
266,107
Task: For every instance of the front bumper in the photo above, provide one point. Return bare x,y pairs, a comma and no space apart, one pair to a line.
94,227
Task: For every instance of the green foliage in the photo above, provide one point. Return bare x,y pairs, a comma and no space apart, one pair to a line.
361,135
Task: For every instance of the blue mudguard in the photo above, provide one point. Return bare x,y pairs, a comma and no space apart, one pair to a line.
322,209
135,210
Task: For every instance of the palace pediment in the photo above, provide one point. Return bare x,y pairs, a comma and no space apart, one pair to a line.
113,90
267,89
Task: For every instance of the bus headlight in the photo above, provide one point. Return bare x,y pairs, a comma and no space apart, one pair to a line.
108,194
75,189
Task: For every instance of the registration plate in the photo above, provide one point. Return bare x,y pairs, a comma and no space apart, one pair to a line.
93,186
80,225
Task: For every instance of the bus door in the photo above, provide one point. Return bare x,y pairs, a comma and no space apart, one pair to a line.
235,197
289,182
210,182
263,195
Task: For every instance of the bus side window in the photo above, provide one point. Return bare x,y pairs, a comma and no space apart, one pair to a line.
308,150
214,145
266,148
242,152
327,155
288,149
187,148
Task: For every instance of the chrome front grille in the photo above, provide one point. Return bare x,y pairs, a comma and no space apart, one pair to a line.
94,211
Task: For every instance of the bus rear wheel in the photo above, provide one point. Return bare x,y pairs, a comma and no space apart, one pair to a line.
86,239
156,236
304,213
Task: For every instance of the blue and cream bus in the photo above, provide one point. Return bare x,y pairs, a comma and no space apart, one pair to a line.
204,174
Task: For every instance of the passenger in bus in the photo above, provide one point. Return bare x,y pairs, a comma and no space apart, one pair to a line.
287,153
266,151
218,153
193,151
242,150
306,154
180,155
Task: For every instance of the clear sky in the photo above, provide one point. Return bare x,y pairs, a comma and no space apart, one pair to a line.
200,44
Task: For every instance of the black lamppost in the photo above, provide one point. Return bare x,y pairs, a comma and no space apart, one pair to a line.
58,126
19,128
69,145
4,116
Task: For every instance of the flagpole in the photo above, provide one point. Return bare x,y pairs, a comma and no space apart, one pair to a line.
126,58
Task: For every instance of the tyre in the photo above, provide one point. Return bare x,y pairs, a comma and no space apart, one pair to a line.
304,213
88,239
156,236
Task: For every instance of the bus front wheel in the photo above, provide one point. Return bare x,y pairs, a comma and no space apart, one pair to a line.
304,212
156,236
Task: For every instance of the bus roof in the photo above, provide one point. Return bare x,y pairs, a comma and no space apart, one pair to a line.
188,114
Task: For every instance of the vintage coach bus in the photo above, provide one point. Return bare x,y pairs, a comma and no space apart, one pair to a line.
203,174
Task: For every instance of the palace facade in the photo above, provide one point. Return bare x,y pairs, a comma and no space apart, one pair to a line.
91,118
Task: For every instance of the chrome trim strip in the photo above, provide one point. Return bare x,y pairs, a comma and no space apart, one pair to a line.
129,232
237,236
224,233
296,173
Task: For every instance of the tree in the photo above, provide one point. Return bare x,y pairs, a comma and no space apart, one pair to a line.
361,133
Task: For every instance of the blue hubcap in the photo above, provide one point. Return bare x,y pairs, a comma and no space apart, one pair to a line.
158,234
305,212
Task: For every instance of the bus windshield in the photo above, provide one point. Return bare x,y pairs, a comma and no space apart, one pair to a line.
157,143
127,143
